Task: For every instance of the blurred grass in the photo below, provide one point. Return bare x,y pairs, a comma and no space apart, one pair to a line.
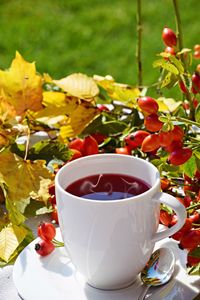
91,36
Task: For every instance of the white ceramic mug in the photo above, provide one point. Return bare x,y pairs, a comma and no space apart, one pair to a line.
109,242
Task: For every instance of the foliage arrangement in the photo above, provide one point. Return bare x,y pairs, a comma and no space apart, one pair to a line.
44,123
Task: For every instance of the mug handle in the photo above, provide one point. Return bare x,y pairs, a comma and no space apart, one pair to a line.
180,212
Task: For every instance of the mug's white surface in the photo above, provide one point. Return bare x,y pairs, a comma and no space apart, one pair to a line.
109,242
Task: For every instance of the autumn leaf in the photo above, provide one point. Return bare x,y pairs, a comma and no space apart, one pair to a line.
3,139
23,85
24,179
7,111
69,114
79,85
118,91
58,108
10,238
82,116
57,103
168,104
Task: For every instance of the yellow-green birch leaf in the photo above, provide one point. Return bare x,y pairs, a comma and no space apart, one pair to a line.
178,64
79,85
10,238
168,104
165,65
166,80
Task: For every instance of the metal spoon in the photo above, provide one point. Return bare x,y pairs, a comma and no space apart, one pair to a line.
158,270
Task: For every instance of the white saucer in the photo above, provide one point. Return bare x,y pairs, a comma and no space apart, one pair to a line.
54,278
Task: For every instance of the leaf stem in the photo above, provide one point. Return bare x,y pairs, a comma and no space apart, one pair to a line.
193,206
188,121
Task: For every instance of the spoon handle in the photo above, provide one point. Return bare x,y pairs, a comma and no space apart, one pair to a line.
144,292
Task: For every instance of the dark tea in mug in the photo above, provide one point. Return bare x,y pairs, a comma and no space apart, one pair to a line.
107,187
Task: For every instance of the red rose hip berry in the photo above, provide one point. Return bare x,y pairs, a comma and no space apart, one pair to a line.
135,139
46,231
152,123
179,156
148,105
151,143
169,37
44,248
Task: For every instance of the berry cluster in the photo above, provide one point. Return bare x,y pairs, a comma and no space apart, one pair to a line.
170,40
154,137
188,236
87,146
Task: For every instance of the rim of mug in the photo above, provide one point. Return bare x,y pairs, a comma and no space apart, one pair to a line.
91,157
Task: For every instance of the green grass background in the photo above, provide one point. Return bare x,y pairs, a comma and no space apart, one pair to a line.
91,36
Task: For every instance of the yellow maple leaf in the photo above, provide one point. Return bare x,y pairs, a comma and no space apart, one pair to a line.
4,141
67,113
82,116
23,85
79,85
10,238
7,111
24,179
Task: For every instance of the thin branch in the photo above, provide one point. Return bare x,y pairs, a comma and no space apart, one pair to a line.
139,42
180,47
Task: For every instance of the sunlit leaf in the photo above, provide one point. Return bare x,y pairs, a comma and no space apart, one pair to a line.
49,150
190,167
195,270
168,104
10,238
162,106
66,132
82,116
161,63
7,111
53,98
24,179
166,81
58,108
118,91
79,85
23,85
3,139
178,64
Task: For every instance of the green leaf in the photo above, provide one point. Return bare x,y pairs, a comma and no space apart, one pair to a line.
16,217
190,167
49,150
166,81
194,270
197,154
160,63
195,252
36,208
107,127
178,64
